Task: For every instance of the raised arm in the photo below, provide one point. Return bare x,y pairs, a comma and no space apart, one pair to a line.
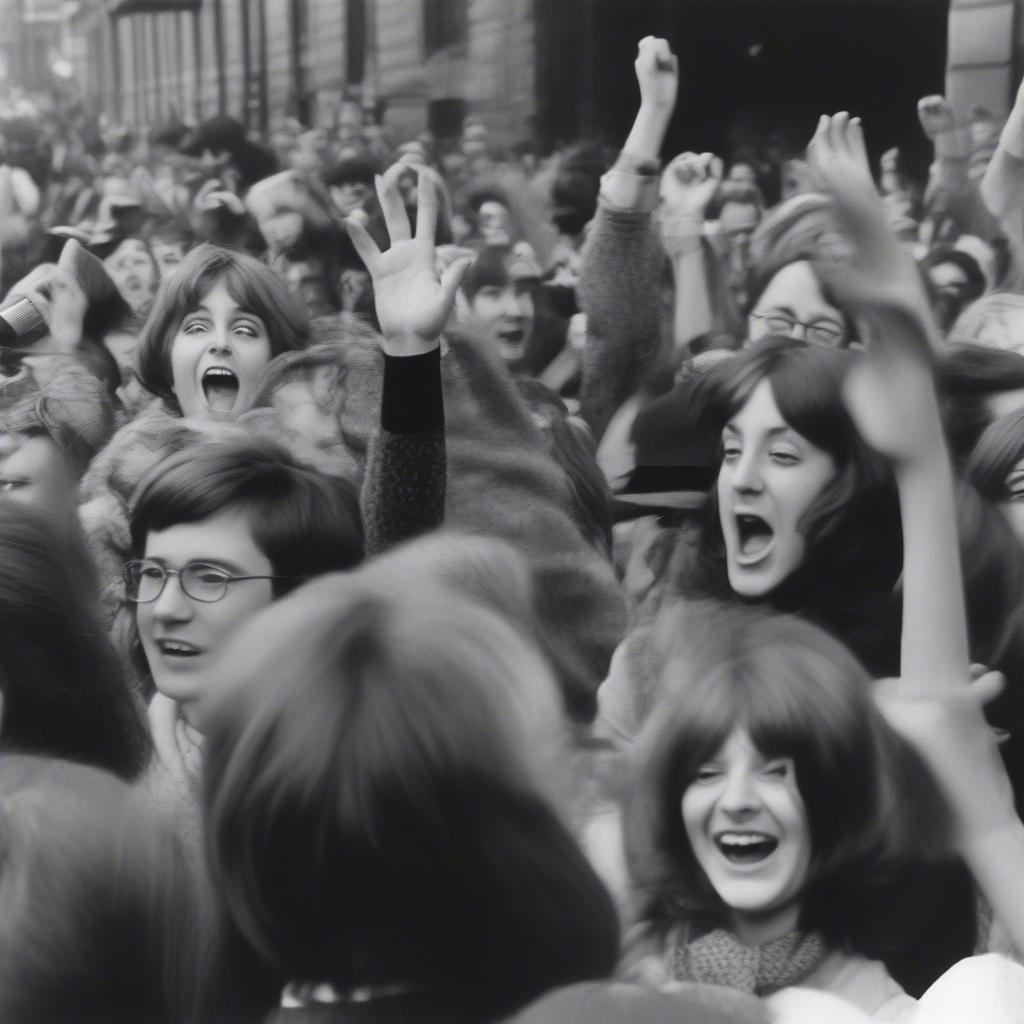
405,482
622,260
892,398
1002,187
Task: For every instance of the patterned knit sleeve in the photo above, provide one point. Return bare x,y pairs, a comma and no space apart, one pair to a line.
406,469
620,291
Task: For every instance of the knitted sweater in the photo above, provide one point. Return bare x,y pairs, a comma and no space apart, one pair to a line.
620,291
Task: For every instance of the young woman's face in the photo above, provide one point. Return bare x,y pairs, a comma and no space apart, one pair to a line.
793,305
217,357
768,479
1012,505
182,637
133,271
167,255
504,315
747,827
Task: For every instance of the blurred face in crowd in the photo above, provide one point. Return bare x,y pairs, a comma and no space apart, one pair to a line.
34,470
350,196
495,223
167,255
794,304
217,357
133,271
356,291
181,636
213,161
308,280
748,829
769,477
502,311
743,173
737,223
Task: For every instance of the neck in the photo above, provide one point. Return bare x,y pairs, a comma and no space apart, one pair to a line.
756,930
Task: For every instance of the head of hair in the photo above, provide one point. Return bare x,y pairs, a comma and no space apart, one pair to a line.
395,787
872,809
64,693
489,268
854,553
989,315
493,573
252,284
99,915
968,375
305,522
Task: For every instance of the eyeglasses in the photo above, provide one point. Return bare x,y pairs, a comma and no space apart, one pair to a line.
817,333
145,579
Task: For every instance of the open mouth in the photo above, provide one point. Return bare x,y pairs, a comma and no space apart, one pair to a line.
746,848
755,536
177,649
220,389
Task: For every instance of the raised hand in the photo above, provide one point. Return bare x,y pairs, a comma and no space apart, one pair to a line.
413,303
657,73
689,184
935,115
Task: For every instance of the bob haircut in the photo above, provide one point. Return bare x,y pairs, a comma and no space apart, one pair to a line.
872,808
64,693
383,815
99,915
252,285
854,550
305,522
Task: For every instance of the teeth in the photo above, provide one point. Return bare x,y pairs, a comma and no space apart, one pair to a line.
743,838
218,371
171,647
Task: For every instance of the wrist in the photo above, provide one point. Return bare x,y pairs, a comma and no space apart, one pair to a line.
408,343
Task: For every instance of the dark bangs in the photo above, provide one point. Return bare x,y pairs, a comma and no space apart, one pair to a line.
489,269
253,285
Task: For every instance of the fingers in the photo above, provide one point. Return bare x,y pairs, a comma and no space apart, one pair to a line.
452,277
395,217
987,687
365,245
426,207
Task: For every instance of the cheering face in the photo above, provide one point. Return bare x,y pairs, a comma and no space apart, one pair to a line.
503,313
747,827
181,636
495,223
793,304
768,479
217,357
167,255
133,271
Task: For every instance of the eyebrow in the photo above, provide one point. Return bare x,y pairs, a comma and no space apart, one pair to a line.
772,432
216,563
201,308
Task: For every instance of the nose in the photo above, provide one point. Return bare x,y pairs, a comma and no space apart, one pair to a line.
173,604
738,799
220,342
511,307
798,332
746,474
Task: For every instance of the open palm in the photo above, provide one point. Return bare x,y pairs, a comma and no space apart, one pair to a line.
413,302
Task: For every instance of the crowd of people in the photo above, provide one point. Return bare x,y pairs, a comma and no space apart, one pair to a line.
441,585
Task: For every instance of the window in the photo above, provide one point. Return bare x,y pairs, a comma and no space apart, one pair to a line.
444,24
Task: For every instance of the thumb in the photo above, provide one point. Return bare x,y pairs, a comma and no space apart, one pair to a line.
987,687
452,277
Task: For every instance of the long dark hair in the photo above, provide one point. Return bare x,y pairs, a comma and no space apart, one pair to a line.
873,811
854,551
379,816
64,692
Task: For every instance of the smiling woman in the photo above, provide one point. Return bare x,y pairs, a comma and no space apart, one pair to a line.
767,832
218,319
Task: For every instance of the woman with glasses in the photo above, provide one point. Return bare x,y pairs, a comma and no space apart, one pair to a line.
218,532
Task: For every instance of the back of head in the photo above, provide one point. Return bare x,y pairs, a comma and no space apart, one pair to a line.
375,806
98,914
63,690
